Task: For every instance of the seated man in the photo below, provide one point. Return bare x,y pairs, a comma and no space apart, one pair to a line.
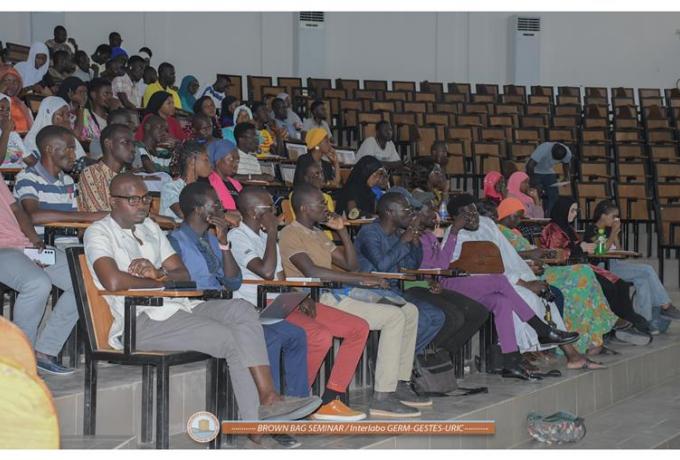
47,194
381,146
440,154
282,119
317,120
121,116
127,250
306,251
246,140
93,186
391,243
257,254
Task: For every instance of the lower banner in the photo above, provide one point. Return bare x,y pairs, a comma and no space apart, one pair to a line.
459,428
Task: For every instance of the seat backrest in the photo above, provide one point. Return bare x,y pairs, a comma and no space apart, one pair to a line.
375,85
235,89
348,85
255,85
16,53
409,86
93,310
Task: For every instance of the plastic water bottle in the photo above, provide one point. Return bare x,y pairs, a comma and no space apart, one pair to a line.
443,212
601,247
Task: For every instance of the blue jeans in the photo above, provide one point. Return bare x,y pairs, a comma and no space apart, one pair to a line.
430,320
545,181
649,292
286,337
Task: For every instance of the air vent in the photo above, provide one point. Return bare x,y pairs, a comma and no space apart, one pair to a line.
528,24
311,19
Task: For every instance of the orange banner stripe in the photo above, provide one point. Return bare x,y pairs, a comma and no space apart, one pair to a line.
363,428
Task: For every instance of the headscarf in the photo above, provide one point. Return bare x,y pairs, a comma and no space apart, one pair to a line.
188,99
219,149
155,103
490,181
216,151
68,85
356,188
29,74
238,110
514,183
228,132
227,117
15,146
22,116
560,215
314,137
48,107
508,207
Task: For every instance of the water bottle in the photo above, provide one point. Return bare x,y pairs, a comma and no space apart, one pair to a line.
443,211
601,246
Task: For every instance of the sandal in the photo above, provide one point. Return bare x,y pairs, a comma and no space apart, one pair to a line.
550,373
609,351
590,365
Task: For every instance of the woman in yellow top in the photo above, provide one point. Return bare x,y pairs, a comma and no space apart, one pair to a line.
318,147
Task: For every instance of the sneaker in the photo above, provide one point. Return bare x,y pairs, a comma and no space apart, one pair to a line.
388,405
633,337
286,441
49,365
291,408
659,323
337,411
407,396
671,313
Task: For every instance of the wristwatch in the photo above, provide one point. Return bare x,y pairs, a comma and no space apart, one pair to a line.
226,247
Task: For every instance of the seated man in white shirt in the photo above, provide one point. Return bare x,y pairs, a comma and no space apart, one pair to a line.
127,250
249,166
317,120
381,146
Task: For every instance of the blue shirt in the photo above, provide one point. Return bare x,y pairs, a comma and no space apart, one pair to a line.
379,252
207,270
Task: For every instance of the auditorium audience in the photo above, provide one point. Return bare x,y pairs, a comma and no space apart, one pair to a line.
95,114
84,70
518,187
257,254
127,250
75,92
11,85
125,117
217,90
187,93
440,154
190,163
127,87
61,66
320,148
12,149
166,80
281,119
380,145
100,57
161,104
317,119
35,67
156,145
306,251
227,108
248,166
495,188
270,138
652,300
115,40
224,159
293,118
59,41
242,114
541,173
359,194
205,106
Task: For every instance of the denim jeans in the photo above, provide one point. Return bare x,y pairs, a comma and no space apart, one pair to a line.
545,181
649,292
292,341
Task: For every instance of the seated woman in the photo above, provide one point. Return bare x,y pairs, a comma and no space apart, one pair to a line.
652,299
560,234
11,85
320,148
223,157
270,137
162,105
364,186
33,69
187,93
518,187
206,106
519,328
242,114
428,177
190,163
586,309
74,91
12,149
494,187
227,109
53,111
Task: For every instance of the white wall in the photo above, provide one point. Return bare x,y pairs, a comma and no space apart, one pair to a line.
630,49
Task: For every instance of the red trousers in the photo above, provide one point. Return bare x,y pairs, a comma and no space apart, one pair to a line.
331,322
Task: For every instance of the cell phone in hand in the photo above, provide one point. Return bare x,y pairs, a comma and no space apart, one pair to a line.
45,257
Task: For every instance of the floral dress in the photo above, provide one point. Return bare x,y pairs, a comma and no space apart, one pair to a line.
592,318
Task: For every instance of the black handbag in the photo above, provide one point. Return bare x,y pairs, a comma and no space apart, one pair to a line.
433,373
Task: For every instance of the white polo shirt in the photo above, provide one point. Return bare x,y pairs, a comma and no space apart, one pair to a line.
248,164
105,238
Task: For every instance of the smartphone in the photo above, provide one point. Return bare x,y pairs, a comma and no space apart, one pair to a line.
45,257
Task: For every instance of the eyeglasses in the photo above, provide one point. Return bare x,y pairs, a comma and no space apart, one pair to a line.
134,200
265,208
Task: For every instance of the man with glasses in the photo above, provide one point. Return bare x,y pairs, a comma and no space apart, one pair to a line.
127,250
258,256
47,194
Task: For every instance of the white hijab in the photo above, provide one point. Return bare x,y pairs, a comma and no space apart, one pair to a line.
29,74
238,110
15,147
48,107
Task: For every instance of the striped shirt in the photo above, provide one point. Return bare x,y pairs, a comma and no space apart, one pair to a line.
248,164
53,193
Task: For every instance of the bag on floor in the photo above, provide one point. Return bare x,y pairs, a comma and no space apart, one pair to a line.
557,428
433,373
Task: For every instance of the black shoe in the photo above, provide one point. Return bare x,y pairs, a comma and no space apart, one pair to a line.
286,440
519,373
557,337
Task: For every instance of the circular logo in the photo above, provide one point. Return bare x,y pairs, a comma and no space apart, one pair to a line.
203,427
